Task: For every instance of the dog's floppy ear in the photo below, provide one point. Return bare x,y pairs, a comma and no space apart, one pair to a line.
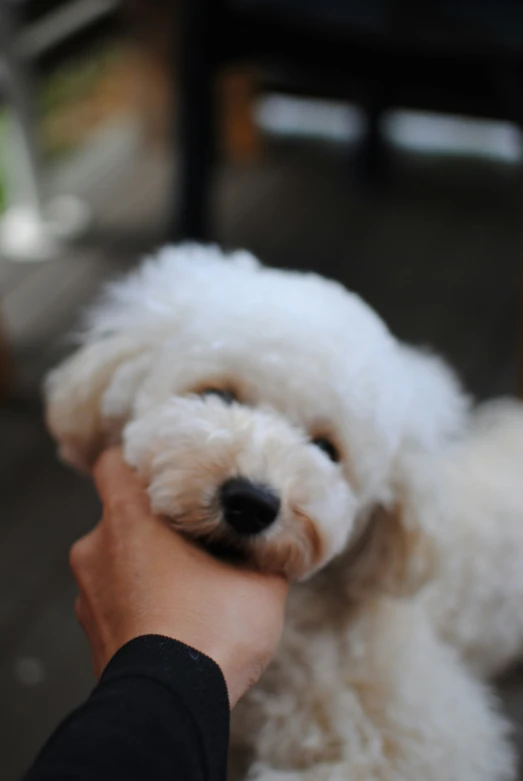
86,403
395,552
391,555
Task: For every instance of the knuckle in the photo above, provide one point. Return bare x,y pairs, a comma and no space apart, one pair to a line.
75,555
119,506
80,612
105,462
99,467
115,504
79,553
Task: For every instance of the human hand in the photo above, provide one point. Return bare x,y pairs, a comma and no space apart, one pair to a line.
136,576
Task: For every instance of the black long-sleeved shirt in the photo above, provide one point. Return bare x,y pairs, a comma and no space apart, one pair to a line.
159,713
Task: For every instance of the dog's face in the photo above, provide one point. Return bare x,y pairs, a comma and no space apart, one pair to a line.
262,409
249,460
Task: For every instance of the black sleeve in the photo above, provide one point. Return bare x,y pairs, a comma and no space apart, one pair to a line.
159,713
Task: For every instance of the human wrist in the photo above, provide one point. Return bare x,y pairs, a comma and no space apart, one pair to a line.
195,634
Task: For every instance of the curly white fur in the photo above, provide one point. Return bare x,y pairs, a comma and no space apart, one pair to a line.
376,677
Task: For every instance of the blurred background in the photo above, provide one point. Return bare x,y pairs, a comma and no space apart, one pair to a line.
374,141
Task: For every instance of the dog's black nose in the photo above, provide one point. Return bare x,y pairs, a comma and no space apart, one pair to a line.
247,507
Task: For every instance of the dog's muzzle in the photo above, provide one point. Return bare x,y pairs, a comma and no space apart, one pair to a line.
248,508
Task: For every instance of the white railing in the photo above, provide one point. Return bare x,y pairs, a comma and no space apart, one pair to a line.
34,226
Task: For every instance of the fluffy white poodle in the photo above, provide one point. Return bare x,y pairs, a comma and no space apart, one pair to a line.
273,416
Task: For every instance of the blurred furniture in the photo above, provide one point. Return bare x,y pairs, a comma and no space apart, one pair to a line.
241,140
463,57
154,29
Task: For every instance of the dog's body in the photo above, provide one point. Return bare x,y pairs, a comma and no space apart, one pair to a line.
471,494
229,383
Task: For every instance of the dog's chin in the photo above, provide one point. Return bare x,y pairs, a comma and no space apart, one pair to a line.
294,546
228,550
211,535
283,554
228,547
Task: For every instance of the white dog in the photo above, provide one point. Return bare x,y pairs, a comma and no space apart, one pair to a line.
272,415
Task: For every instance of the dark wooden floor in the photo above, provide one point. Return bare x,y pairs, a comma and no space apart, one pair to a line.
437,252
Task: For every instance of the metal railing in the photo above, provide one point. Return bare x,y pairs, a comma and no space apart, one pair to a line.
34,225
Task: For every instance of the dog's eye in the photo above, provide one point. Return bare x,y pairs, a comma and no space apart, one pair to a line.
328,448
227,396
